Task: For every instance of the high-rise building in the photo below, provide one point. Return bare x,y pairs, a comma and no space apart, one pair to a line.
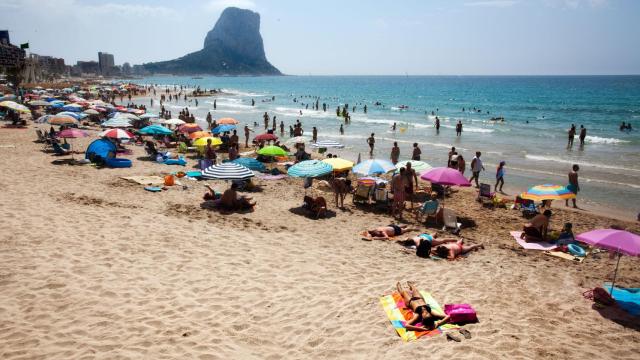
106,62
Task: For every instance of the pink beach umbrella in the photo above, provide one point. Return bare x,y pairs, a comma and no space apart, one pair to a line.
445,176
620,241
70,134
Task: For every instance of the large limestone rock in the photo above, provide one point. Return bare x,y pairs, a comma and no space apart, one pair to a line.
233,47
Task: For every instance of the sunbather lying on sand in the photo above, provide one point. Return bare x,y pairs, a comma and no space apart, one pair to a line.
386,232
425,242
230,200
451,251
422,312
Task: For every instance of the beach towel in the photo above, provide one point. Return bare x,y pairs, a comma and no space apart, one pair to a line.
627,298
566,256
532,245
152,188
149,180
398,314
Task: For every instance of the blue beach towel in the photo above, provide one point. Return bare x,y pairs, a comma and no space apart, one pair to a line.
626,298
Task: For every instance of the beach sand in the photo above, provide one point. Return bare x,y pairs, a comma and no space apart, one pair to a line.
92,266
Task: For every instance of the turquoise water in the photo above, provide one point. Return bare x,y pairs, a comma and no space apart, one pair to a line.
532,139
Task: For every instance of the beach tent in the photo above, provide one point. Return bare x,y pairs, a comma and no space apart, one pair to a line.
102,148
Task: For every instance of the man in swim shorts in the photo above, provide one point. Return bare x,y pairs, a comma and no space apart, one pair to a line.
387,232
573,186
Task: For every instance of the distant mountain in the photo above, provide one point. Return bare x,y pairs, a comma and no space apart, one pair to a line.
233,47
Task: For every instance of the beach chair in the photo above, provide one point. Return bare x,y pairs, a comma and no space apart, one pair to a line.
484,193
362,193
528,208
41,137
428,208
381,198
450,220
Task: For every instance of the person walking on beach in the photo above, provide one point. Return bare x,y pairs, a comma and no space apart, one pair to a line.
341,129
395,153
500,176
416,152
215,104
462,165
573,186
583,134
372,142
459,128
476,167
572,134
451,153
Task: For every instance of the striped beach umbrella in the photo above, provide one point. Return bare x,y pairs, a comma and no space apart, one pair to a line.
548,192
374,166
117,123
310,168
418,166
39,103
116,134
227,121
250,163
272,151
339,164
327,144
227,171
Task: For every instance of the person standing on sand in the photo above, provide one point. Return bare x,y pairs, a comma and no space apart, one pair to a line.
500,176
476,167
234,138
410,179
398,189
573,186
371,141
416,152
246,135
462,165
583,134
395,153
572,134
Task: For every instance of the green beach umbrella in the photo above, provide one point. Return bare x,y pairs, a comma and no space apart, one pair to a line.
272,151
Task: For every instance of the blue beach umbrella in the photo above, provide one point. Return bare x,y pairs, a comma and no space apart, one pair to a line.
310,168
155,130
372,167
74,115
250,163
223,128
72,108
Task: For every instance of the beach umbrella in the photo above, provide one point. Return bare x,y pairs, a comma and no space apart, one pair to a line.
298,140
620,241
116,123
155,130
310,168
92,112
62,120
43,118
223,128
148,115
227,121
189,128
374,166
371,180
215,141
39,103
272,151
7,97
250,163
327,144
71,134
266,137
74,115
227,171
72,107
339,164
445,176
199,134
126,116
116,134
173,122
548,192
15,106
418,166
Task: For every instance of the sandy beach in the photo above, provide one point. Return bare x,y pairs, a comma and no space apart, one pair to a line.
92,266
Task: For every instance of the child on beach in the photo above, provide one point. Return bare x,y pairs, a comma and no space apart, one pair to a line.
500,176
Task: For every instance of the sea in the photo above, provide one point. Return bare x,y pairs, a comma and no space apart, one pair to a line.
532,139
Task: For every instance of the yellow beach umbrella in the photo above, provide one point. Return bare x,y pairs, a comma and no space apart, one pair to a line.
203,141
15,106
339,164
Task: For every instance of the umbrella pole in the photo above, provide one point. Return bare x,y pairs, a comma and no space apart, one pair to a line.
615,274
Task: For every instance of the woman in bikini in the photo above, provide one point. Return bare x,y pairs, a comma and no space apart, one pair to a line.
422,312
425,242
451,250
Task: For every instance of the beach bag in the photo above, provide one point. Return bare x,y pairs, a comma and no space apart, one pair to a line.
169,180
460,313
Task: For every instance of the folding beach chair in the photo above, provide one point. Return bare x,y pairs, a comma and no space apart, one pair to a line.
484,193
362,193
428,208
450,220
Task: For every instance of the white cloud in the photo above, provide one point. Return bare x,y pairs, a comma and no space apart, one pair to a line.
492,3
575,4
218,5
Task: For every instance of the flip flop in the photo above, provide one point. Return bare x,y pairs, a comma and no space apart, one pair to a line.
451,337
465,333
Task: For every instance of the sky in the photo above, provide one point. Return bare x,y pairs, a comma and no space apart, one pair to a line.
351,37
